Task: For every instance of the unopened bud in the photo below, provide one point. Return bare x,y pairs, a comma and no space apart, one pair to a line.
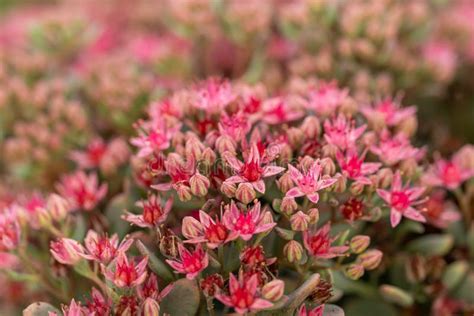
409,167
208,156
341,183
288,205
359,243
184,193
225,143
245,193
273,290
285,183
44,217
295,136
416,269
356,188
191,227
293,251
199,184
408,126
370,259
57,206
396,295
329,150
311,127
299,221
354,271
329,167
151,307
385,177
313,214
228,189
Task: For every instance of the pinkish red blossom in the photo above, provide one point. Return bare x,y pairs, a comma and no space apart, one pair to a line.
74,309
354,167
246,223
243,295
98,304
448,174
326,99
213,95
394,149
190,263
81,190
389,111
9,229
103,249
213,232
251,171
401,200
149,289
126,273
318,243
154,213
309,183
342,133
317,311
440,212
154,136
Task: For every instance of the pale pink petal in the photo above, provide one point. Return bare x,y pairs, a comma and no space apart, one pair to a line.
313,197
385,195
269,171
395,217
294,192
415,215
260,304
259,186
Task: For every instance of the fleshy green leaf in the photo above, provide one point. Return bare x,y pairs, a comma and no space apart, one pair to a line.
454,274
182,300
155,264
432,245
396,295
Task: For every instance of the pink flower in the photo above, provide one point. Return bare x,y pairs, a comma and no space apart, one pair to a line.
355,168
278,111
442,57
251,170
245,224
179,171
190,263
318,243
327,98
103,249
213,95
153,212
317,311
207,230
440,212
342,133
235,126
82,190
392,150
98,304
149,289
92,156
74,309
66,251
9,230
154,136
389,111
243,295
401,201
126,273
309,183
447,174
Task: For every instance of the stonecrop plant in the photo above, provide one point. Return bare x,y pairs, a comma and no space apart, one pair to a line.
210,157
245,202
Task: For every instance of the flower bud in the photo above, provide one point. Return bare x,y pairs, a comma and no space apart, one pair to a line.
151,307
396,295
273,290
354,271
293,251
225,143
295,136
288,205
359,243
44,217
228,189
341,183
245,193
329,150
311,127
285,183
313,214
199,184
408,167
193,149
191,227
416,269
329,167
57,206
66,251
356,188
370,259
208,156
184,193
299,221
464,157
408,126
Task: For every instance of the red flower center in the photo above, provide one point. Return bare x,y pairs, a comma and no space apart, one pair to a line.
251,171
216,233
400,201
